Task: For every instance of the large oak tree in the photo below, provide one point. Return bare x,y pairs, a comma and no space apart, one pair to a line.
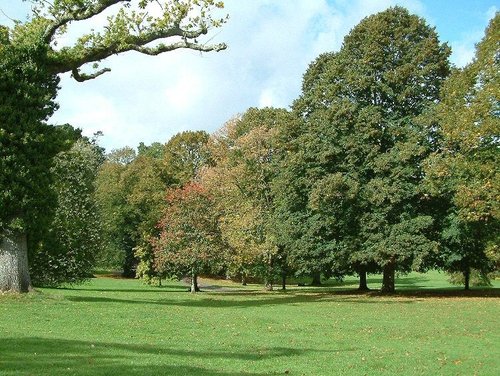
30,63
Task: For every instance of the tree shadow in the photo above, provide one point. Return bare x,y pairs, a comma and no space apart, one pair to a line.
45,356
254,299
139,289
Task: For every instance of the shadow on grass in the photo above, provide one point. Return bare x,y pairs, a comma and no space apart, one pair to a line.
139,289
253,299
44,356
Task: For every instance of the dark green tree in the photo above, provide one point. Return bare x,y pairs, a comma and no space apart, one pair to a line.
361,147
66,250
116,219
130,193
27,146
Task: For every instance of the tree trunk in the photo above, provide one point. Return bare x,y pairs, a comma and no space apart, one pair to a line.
388,279
14,272
283,281
270,274
194,282
316,279
363,285
243,279
467,279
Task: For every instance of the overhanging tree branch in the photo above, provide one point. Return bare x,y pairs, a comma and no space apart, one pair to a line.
81,77
81,14
180,25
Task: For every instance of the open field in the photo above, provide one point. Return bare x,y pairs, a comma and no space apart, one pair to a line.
121,327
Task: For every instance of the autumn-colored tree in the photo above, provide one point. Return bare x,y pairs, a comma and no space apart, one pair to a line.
244,156
190,241
464,171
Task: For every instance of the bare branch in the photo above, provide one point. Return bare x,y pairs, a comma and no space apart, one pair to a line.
6,15
81,77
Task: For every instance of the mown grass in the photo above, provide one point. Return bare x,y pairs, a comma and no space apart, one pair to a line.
121,327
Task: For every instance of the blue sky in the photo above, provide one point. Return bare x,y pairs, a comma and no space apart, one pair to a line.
271,43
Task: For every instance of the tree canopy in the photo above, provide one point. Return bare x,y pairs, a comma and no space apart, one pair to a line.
463,171
359,153
30,62
190,241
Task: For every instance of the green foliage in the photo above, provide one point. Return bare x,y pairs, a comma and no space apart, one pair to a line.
184,156
145,267
477,278
66,250
111,198
463,171
131,194
349,192
27,144
172,24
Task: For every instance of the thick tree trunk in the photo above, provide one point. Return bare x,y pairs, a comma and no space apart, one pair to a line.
388,279
243,279
194,282
467,279
316,279
363,285
14,272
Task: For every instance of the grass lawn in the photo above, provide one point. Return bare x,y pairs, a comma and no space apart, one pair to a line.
121,327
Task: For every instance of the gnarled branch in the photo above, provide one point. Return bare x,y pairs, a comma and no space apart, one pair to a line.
78,15
132,31
81,77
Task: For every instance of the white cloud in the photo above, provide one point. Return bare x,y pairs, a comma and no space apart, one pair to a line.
266,99
270,42
185,91
463,52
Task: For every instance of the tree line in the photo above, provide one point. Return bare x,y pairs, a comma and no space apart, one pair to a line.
386,163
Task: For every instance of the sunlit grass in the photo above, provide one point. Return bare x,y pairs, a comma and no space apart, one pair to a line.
121,327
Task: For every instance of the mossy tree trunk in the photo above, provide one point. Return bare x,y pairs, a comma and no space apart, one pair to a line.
14,271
